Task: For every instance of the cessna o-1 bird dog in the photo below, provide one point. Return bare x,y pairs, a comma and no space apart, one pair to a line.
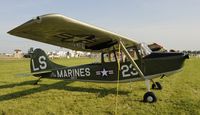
127,60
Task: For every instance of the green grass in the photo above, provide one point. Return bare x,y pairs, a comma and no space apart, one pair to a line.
180,95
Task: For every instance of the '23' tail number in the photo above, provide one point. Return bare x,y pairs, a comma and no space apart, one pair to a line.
128,70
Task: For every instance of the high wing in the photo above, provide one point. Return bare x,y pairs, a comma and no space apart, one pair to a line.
65,32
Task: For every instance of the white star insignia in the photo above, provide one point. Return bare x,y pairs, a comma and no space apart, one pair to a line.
104,72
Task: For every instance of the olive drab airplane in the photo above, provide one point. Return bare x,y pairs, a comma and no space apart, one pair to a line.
122,59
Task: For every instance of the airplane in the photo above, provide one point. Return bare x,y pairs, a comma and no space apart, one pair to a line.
122,59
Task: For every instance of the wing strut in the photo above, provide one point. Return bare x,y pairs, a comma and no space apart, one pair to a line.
132,60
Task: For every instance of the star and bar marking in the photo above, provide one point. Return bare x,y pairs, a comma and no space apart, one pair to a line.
104,72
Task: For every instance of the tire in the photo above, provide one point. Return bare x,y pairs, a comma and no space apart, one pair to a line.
158,85
149,97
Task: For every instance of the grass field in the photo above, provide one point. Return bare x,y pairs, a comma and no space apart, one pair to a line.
180,95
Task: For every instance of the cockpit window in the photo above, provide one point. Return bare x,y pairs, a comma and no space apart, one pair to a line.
144,50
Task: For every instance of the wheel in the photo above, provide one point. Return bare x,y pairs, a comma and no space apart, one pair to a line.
159,86
149,97
156,85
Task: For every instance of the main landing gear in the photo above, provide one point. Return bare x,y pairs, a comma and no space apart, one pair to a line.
149,96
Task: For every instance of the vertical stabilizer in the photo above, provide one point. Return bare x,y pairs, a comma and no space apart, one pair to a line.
40,62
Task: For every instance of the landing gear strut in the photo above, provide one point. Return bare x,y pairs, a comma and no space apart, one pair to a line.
36,82
156,85
149,96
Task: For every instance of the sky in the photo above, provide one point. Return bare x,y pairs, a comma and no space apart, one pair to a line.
174,24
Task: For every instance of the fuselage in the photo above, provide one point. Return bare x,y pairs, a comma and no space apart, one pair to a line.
152,66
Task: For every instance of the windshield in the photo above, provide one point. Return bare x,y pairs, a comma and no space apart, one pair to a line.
144,50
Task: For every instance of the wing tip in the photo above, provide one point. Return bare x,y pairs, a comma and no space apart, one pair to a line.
11,32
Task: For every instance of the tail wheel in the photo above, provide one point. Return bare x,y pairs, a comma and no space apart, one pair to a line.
156,85
149,97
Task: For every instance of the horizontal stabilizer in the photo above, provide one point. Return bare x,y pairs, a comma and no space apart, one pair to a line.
31,74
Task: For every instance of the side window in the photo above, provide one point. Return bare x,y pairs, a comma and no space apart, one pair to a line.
121,56
111,57
144,50
108,57
133,53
